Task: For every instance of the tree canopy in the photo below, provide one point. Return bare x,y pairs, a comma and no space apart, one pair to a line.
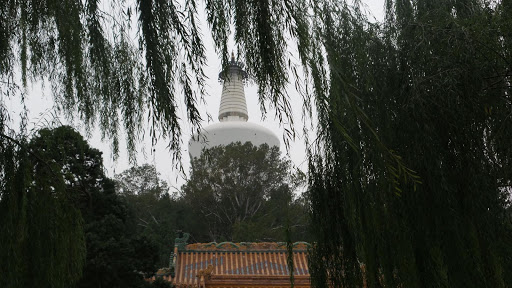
243,193
143,179
42,239
155,212
73,218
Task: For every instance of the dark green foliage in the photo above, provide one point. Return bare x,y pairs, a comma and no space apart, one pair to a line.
115,256
241,193
158,215
41,230
80,165
141,180
155,213
69,192
434,81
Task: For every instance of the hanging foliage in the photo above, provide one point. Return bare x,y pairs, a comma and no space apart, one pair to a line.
84,49
41,232
426,204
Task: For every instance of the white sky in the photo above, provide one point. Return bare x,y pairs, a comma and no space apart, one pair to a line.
40,101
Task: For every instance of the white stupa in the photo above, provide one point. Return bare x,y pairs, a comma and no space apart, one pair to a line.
233,125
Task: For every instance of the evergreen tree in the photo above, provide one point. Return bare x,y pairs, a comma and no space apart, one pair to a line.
141,180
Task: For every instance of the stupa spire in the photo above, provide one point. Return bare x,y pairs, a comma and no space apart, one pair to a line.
233,106
233,126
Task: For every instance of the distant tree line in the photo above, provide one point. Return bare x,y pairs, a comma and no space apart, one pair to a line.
235,193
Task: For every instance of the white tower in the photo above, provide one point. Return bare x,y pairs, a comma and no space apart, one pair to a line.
233,116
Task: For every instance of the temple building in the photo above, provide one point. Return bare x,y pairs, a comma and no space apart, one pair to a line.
231,264
228,264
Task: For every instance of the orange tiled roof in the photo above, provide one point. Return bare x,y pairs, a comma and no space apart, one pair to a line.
239,265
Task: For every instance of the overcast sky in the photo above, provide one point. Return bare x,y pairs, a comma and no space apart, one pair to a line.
40,101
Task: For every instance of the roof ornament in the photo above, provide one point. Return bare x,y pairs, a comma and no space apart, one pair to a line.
205,275
232,67
181,240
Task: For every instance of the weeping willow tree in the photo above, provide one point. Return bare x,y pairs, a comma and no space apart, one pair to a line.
411,177
41,235
86,51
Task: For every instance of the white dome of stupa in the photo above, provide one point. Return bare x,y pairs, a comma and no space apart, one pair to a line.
233,117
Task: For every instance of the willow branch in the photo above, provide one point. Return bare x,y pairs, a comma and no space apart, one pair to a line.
29,152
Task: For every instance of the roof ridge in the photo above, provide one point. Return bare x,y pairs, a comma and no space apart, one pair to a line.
245,246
